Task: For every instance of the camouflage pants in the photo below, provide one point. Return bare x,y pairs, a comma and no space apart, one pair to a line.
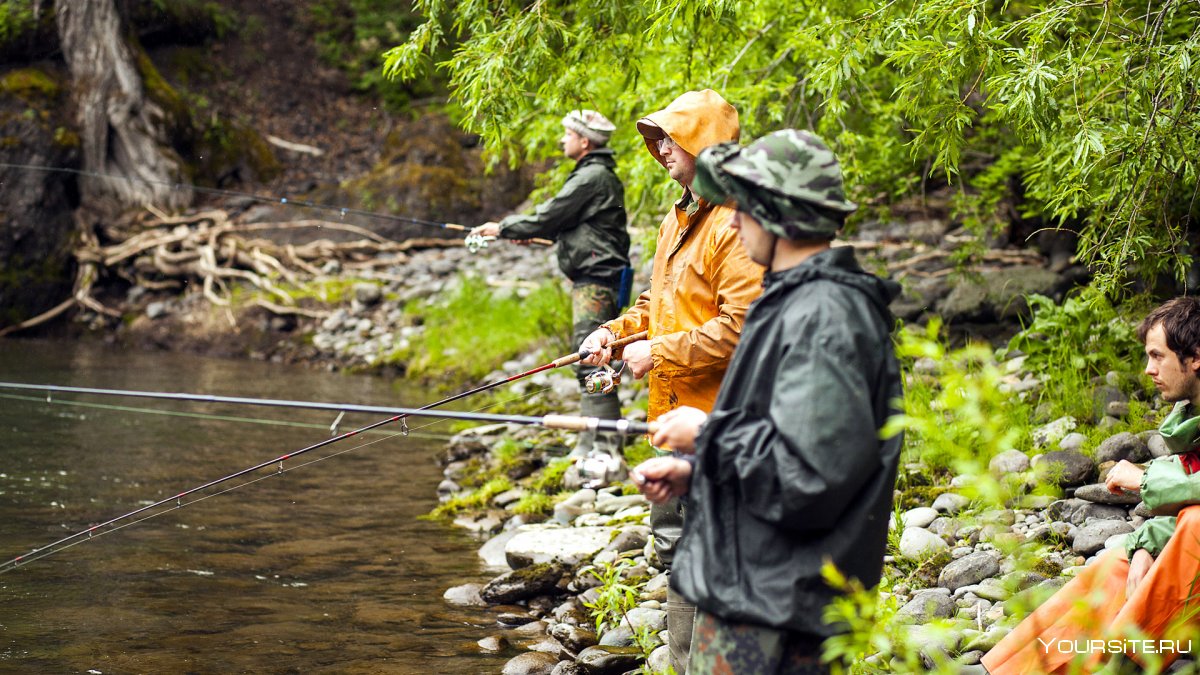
725,648
591,305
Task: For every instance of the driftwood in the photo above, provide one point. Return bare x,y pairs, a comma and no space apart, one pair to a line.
208,249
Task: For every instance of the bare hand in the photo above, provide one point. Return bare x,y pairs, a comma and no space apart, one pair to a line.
488,229
597,345
637,356
1124,477
1139,567
677,429
661,478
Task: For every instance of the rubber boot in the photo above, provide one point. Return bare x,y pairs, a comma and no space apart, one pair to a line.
605,406
681,615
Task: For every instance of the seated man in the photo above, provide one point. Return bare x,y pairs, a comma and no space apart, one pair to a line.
1138,596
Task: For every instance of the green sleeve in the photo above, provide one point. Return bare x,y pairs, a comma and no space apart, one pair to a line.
1165,483
1152,536
560,212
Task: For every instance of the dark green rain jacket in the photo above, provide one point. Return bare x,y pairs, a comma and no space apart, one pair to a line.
790,469
586,218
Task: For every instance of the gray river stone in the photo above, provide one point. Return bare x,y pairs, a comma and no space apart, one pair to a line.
629,538
927,604
950,503
1053,432
970,569
1009,461
530,663
605,660
568,668
1122,446
493,643
522,584
646,617
1156,445
492,551
1091,537
1078,511
1097,493
1072,441
535,544
466,595
920,516
574,638
1067,467
917,543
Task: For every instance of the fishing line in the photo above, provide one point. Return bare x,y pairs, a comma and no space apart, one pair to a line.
96,533
47,551
285,201
205,416
574,423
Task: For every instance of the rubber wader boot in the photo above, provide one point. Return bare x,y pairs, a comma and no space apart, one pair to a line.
681,616
666,522
605,406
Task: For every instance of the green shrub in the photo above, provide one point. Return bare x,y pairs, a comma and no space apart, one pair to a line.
474,328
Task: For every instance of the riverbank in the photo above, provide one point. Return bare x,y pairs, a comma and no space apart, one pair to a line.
582,600
982,531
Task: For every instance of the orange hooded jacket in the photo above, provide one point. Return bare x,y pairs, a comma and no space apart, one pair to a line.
702,280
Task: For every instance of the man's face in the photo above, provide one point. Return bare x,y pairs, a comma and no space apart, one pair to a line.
680,165
757,242
1176,380
573,145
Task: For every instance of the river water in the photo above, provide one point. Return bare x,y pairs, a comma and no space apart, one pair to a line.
324,568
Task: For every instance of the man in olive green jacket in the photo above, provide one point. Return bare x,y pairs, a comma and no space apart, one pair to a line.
587,219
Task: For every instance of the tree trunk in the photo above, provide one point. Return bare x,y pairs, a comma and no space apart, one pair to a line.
122,130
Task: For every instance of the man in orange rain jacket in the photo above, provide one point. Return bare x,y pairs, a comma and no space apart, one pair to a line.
701,284
1134,605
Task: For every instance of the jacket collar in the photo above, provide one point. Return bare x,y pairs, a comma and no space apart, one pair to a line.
834,264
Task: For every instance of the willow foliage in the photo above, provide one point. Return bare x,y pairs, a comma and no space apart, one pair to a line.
1081,114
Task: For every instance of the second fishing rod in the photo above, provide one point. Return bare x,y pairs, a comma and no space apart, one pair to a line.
473,242
567,422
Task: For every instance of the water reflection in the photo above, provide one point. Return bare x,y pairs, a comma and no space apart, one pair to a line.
322,568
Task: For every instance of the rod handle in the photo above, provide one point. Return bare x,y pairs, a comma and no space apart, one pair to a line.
578,423
615,344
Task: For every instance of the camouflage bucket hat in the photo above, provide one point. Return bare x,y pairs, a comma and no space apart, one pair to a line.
788,180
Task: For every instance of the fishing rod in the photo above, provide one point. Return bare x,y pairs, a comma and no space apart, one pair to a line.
473,242
568,422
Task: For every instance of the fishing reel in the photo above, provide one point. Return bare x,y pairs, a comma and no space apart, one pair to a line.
599,469
603,381
475,242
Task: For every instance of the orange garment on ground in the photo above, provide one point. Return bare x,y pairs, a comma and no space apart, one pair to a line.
1092,606
702,280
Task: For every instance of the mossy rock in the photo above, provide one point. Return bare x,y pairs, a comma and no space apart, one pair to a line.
927,573
921,495
32,85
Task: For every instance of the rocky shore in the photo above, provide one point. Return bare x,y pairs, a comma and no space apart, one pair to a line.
581,590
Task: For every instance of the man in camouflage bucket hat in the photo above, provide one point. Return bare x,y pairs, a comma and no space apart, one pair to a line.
788,470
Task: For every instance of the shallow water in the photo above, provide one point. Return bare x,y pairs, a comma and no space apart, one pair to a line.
324,568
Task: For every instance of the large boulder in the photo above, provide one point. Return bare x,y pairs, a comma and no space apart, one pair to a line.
535,544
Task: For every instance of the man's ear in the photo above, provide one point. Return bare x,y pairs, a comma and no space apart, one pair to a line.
1193,364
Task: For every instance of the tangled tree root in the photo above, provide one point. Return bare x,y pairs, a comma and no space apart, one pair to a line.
160,252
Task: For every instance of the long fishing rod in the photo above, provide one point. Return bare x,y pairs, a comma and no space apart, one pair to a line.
474,242
568,422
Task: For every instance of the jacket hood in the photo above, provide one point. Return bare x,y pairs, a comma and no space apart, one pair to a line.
695,120
837,264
